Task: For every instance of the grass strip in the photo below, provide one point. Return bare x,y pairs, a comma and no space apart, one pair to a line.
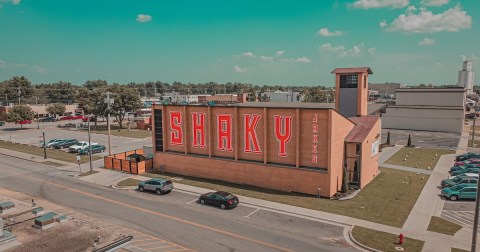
384,241
421,158
443,226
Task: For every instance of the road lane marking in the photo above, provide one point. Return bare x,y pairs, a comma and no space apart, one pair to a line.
191,223
190,202
248,216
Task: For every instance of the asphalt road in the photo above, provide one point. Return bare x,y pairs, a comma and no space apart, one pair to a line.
174,217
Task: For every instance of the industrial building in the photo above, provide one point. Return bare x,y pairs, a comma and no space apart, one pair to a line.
466,76
294,148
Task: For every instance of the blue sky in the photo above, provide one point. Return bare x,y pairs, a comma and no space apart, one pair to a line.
260,42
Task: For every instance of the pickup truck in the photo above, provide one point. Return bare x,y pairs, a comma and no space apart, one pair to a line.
80,145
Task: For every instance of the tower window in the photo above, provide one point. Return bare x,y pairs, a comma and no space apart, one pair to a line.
349,81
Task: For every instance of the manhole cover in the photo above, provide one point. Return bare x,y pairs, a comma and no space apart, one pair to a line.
399,249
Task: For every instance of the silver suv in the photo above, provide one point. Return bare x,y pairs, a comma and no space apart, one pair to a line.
158,185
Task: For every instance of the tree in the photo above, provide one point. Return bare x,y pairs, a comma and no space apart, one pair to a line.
409,142
315,94
388,138
59,92
125,100
344,180
92,102
17,87
56,109
94,84
20,113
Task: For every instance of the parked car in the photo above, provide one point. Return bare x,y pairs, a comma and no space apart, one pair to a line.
78,117
85,119
468,170
95,149
475,175
24,122
52,142
460,179
47,119
158,185
468,161
472,115
221,199
460,192
462,167
2,123
67,118
65,143
467,156
80,145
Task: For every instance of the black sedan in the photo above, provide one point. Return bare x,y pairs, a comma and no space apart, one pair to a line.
223,200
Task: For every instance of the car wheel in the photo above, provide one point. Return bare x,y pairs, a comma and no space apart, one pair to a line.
141,189
453,197
222,206
202,202
158,191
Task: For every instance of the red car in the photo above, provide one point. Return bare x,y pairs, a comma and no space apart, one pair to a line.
78,117
24,122
85,119
66,118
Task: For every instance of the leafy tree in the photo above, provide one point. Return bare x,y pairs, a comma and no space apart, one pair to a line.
344,180
125,100
59,92
56,109
17,87
252,96
95,84
19,113
91,102
315,94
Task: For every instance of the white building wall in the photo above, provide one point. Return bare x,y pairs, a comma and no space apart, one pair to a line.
427,119
430,97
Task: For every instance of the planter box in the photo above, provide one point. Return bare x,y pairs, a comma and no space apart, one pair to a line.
45,221
6,207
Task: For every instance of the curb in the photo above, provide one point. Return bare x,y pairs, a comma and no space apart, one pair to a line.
363,247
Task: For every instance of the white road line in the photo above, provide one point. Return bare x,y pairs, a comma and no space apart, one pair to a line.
190,202
455,220
248,216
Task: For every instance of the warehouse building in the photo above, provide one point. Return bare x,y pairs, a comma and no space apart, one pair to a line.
293,148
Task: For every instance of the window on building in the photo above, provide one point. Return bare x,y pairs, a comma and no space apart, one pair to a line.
348,81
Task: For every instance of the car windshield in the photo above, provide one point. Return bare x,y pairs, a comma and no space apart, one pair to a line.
457,179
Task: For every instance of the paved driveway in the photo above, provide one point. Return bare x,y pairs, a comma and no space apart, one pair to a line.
422,138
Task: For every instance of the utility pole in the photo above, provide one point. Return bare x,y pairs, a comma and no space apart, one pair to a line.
90,145
38,121
475,219
19,93
44,146
474,119
109,102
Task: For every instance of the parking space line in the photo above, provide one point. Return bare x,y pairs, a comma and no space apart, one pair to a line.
149,243
155,248
248,216
190,202
142,240
456,220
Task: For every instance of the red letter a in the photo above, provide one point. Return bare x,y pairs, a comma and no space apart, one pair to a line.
224,132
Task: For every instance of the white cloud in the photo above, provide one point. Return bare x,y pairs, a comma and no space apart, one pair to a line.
303,60
434,2
383,23
329,47
249,54
452,20
427,42
369,4
266,58
279,53
342,51
326,33
3,64
238,69
372,50
39,69
439,64
16,2
143,18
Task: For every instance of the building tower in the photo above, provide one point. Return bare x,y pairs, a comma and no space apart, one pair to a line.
351,90
465,76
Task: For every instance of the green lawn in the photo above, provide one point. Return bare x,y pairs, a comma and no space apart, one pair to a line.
421,158
387,199
477,142
443,226
51,153
115,130
129,182
384,241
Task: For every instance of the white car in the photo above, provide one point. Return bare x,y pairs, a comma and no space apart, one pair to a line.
80,145
475,175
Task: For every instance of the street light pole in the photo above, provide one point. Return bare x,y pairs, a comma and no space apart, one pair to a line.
109,102
474,119
89,145
475,220
44,146
38,121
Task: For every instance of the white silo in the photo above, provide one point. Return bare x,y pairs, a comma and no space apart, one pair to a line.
465,76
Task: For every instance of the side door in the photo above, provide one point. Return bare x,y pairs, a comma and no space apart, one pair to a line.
213,199
468,193
148,185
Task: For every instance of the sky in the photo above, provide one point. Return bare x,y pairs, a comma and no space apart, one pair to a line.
268,42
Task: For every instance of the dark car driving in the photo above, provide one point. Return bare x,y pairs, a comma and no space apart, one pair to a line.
47,119
65,144
223,200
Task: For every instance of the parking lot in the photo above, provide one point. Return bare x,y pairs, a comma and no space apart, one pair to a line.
30,135
461,212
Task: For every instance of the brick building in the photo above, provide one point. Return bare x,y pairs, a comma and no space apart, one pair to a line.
295,148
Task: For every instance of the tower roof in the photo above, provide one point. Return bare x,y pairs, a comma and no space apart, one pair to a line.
352,70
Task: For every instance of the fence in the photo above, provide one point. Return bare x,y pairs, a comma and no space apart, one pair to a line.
119,162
